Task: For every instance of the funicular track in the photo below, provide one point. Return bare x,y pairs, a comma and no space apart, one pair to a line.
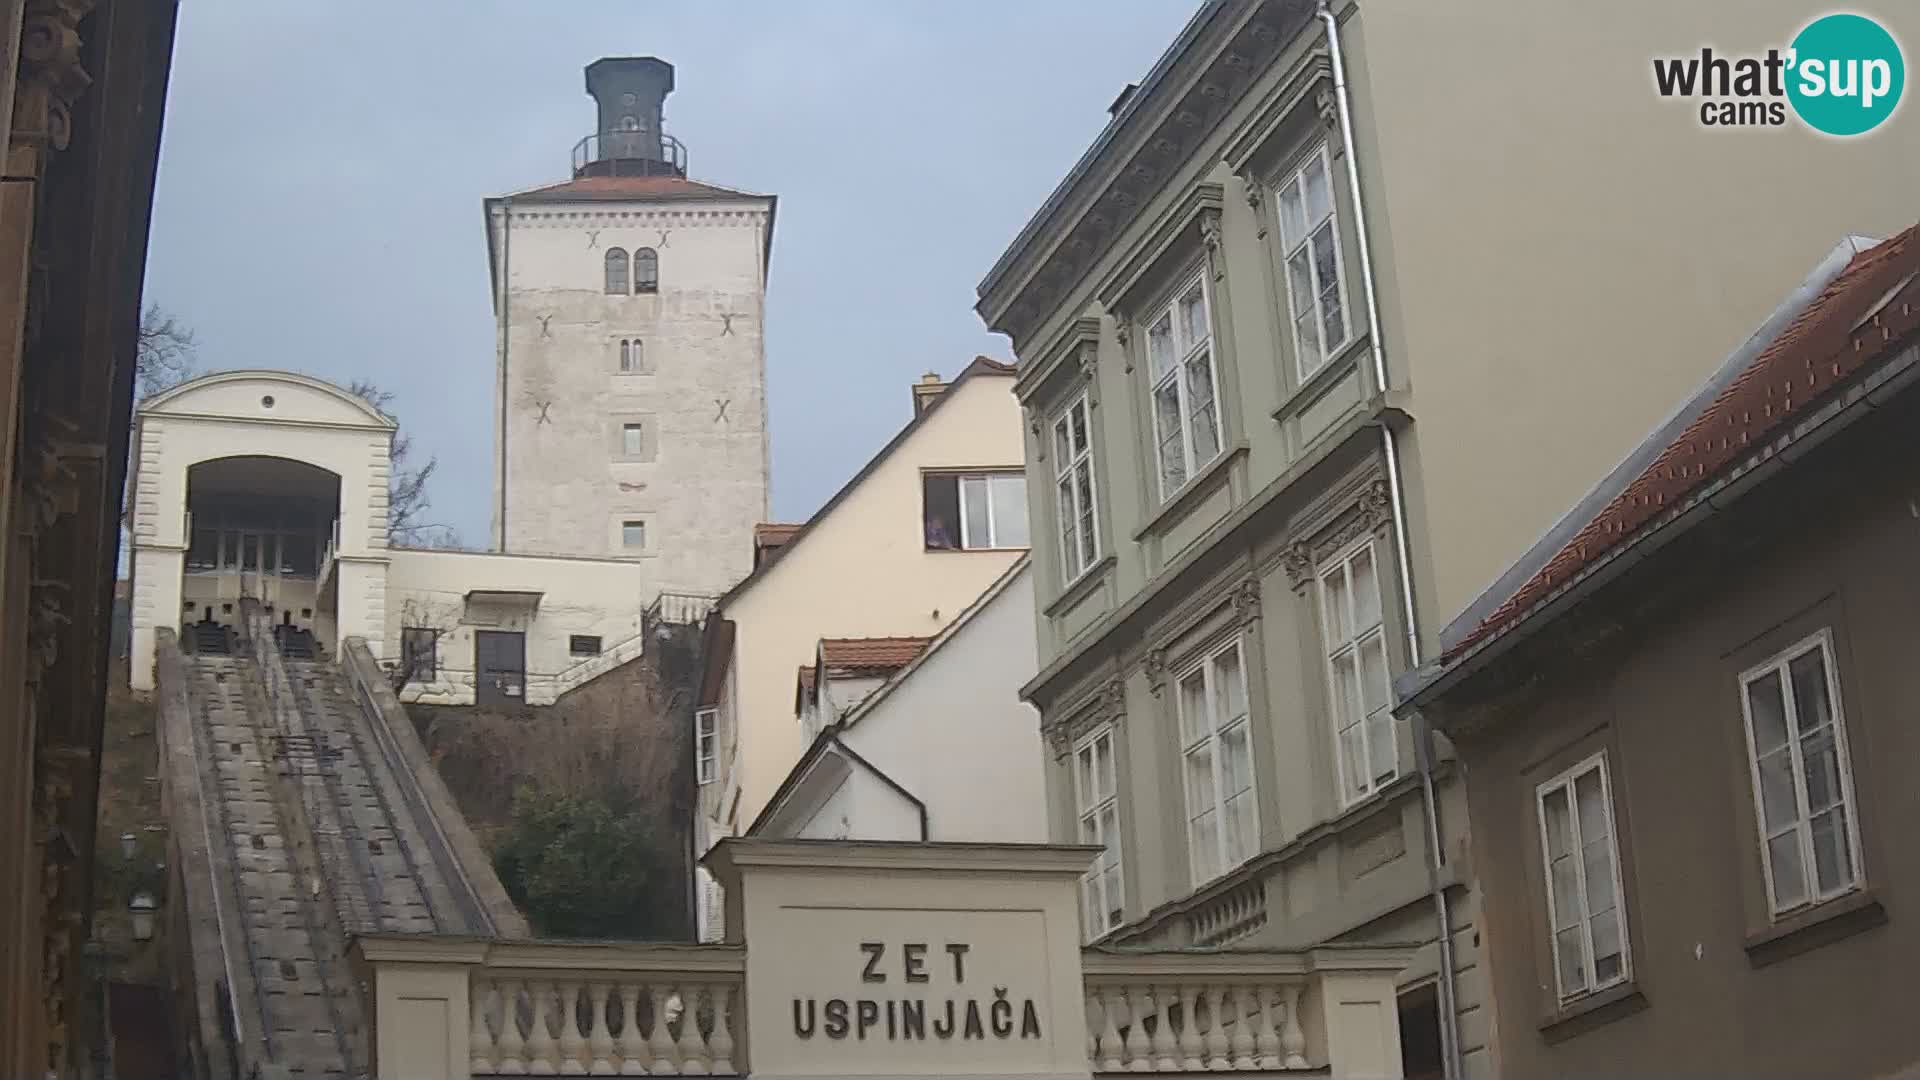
317,828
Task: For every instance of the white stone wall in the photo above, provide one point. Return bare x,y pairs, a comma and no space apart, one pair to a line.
701,483
601,597
255,413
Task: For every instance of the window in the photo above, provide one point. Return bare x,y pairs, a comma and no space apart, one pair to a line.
705,723
632,360
1186,416
418,652
1802,782
203,550
1358,686
631,442
1102,893
633,534
1315,295
1073,490
975,510
616,272
646,270
1222,823
1582,866
583,644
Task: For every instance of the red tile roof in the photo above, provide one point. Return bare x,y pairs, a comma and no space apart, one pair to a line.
872,654
1827,343
806,678
630,187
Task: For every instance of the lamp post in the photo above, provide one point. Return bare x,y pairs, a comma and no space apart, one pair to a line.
142,908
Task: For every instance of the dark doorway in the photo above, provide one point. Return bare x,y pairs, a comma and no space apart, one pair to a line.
1420,1052
499,666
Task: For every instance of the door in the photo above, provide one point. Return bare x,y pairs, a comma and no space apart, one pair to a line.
499,666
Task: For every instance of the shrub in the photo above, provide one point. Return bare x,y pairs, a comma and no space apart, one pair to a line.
585,865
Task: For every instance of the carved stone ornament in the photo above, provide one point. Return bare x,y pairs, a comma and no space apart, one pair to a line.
1155,665
1113,700
50,76
1298,561
1246,602
1108,705
1210,236
1088,358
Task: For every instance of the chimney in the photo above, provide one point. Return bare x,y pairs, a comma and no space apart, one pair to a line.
629,92
924,391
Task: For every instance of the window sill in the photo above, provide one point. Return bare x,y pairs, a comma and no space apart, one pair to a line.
1321,381
1583,1014
1841,917
1079,587
970,550
1197,486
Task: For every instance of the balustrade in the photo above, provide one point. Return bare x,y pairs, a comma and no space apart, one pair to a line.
1193,1012
603,1024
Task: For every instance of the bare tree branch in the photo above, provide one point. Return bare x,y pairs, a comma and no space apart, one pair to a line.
407,496
164,352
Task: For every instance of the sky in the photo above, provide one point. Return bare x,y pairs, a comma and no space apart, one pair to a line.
323,165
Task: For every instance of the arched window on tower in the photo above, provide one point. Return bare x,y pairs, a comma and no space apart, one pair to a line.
646,271
616,272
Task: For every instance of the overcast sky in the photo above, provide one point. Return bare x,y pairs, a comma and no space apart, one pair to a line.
323,166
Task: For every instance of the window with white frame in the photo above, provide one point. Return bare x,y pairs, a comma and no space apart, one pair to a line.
1097,801
1582,864
705,726
1186,413
975,510
632,356
1358,684
1073,489
1316,294
632,440
1217,764
1802,780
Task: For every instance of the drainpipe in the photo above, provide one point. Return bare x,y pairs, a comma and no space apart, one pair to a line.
1390,450
506,331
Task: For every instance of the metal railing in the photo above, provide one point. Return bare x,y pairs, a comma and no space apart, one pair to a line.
629,153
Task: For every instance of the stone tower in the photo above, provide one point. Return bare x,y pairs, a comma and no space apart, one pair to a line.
630,410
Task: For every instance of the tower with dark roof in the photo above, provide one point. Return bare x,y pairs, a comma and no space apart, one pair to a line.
630,392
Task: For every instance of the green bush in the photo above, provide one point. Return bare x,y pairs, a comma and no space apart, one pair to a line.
585,865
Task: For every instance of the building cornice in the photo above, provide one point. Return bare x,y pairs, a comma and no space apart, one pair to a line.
1184,101
733,854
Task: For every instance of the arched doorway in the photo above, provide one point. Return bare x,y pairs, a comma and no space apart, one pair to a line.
264,528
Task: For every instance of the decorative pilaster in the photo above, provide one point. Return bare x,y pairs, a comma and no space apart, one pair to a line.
1155,666
1246,602
1210,237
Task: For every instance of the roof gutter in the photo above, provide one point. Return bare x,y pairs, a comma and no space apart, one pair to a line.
1396,497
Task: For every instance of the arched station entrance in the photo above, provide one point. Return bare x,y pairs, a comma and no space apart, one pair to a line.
266,528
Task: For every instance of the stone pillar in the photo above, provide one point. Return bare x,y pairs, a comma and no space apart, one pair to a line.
420,1015
1360,1024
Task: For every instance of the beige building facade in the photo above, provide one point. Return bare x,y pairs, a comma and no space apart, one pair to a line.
1328,326
884,558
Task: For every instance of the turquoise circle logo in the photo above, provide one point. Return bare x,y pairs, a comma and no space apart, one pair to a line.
1847,74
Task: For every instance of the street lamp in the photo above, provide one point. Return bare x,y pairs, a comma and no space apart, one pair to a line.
142,908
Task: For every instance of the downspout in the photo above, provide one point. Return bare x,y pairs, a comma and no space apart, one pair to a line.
1390,450
506,331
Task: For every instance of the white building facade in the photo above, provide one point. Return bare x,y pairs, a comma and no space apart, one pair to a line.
630,415
272,487
943,750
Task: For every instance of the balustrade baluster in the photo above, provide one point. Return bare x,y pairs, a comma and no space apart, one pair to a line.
540,1047
1137,1057
479,1038
1093,1031
1266,1041
722,1041
512,1044
1217,1030
633,1044
1191,1047
693,1048
1242,1037
1110,1047
659,1043
571,1041
600,1039
1165,1048
1293,1041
